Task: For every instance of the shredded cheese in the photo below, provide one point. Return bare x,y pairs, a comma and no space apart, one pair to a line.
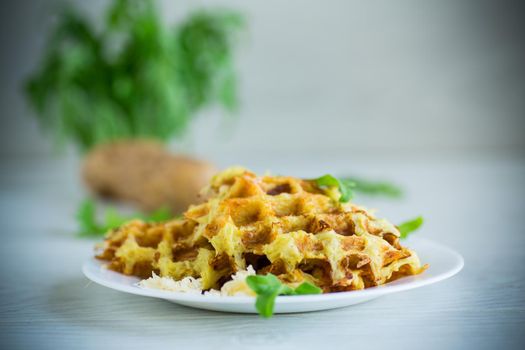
237,285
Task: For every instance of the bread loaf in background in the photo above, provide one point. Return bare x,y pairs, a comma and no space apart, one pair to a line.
144,173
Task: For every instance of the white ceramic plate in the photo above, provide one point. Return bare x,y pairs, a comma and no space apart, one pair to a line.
443,261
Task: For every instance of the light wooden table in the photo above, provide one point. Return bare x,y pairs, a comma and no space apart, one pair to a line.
476,206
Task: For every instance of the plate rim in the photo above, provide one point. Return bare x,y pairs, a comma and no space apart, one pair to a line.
371,292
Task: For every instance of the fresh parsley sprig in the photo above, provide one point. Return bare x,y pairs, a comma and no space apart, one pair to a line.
268,287
90,226
407,227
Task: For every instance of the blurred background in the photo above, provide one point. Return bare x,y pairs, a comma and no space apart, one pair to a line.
381,78
395,92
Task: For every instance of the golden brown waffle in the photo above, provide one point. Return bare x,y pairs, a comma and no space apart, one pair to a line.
283,225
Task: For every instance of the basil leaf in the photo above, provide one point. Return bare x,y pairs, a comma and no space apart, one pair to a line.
161,214
268,287
346,189
265,303
344,186
89,226
86,218
286,290
373,188
307,288
327,180
263,284
410,226
113,218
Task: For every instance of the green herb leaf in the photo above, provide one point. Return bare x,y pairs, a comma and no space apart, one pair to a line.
307,288
86,217
345,186
262,284
265,304
159,215
89,226
268,287
410,226
380,188
113,218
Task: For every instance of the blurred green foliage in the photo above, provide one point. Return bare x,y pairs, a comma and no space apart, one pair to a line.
374,188
90,225
136,77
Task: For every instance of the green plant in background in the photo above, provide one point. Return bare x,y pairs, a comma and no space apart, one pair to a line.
136,77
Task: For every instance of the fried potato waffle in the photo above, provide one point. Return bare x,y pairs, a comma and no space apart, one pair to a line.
282,225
